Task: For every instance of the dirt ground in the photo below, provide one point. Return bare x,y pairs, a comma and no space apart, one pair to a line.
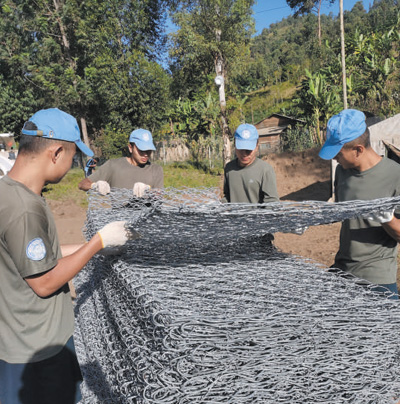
304,176
300,176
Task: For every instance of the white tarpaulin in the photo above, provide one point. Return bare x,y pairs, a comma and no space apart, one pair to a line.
385,131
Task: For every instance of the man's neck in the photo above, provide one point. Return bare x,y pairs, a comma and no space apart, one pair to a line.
368,160
28,175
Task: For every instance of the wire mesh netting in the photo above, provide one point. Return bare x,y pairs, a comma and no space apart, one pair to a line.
204,309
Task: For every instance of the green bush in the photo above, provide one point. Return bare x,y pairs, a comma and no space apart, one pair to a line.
297,139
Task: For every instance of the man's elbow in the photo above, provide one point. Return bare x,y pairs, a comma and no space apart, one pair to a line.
44,292
85,185
40,285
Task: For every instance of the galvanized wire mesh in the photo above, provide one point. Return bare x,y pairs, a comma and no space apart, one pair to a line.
203,308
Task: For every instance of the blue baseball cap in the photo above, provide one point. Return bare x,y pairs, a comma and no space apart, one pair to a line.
246,137
142,139
53,123
342,128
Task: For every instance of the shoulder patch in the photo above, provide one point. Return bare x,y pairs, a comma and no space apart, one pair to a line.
36,249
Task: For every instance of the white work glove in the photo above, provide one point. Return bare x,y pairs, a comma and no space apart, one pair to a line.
381,217
102,187
115,234
140,188
298,230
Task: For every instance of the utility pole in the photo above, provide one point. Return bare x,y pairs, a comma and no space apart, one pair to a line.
343,55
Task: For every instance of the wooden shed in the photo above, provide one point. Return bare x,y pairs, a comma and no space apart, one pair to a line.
270,130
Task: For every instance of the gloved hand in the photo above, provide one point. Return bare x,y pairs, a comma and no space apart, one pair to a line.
140,188
102,187
115,234
298,230
380,217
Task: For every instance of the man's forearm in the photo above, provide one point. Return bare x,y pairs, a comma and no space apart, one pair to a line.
393,228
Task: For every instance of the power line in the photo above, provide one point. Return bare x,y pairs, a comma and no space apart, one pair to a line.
271,9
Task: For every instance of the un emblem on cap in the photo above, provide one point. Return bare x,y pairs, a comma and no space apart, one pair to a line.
146,136
246,134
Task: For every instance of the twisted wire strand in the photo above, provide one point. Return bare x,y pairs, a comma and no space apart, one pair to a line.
204,309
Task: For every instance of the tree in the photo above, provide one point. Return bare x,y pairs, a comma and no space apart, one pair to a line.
213,35
318,99
195,122
343,53
94,59
372,60
17,99
307,6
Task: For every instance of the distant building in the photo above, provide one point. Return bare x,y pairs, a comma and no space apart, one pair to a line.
270,130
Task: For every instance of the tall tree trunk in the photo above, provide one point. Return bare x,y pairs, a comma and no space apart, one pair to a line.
84,131
343,55
319,22
219,70
72,64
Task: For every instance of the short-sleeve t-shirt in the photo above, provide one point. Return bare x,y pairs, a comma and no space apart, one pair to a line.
366,250
120,174
31,328
255,183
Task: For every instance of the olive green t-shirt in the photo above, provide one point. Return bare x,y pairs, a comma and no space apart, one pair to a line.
255,183
120,174
30,326
366,250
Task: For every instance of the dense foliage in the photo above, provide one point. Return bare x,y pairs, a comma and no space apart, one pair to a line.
93,59
105,62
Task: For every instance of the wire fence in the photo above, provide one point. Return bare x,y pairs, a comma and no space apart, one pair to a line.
204,309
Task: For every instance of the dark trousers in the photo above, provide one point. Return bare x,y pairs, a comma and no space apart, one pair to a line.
50,381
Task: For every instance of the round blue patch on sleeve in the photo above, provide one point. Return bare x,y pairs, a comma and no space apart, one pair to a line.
36,250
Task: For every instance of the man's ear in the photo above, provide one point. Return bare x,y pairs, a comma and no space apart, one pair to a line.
130,148
55,152
359,149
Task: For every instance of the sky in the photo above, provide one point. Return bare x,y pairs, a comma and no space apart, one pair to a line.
267,12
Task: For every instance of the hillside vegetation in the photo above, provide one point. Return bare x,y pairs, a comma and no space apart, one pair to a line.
119,71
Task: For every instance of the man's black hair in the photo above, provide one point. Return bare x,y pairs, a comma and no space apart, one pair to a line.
34,144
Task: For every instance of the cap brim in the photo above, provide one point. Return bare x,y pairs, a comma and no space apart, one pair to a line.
83,148
245,144
329,151
143,146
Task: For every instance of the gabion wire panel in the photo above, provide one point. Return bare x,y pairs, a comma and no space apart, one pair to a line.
203,309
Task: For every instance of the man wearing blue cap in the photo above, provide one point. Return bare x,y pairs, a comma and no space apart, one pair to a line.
248,179
133,172
37,359
368,246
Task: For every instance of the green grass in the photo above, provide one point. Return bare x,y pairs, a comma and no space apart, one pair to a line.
176,175
266,101
67,188
180,175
